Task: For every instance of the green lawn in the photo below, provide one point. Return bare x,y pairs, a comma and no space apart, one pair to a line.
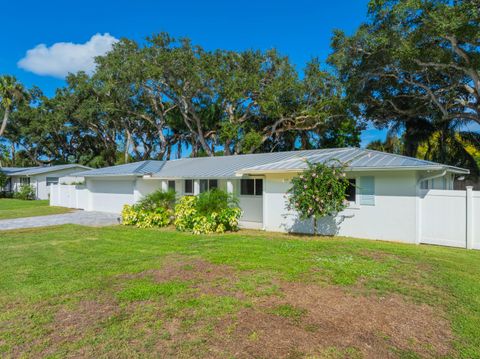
124,292
16,208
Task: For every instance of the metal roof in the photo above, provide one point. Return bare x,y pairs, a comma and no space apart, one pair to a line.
129,169
356,159
232,166
12,170
31,171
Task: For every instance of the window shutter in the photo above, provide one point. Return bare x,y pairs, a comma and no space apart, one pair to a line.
367,191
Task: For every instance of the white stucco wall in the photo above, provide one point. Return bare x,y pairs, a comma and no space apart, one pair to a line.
110,194
392,217
144,187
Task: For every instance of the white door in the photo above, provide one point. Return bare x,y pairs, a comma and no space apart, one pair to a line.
111,195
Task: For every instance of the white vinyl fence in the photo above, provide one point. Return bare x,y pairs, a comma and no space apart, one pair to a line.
70,196
450,218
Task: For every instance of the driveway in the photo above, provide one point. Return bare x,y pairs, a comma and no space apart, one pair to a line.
94,219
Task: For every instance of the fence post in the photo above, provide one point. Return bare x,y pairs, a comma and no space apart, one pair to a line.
418,219
469,217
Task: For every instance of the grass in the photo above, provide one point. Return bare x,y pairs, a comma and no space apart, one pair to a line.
101,291
16,208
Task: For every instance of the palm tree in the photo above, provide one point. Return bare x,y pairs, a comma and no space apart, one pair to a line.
11,94
451,143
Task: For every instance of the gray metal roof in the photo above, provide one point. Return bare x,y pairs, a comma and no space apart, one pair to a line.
231,166
129,169
12,170
357,159
31,171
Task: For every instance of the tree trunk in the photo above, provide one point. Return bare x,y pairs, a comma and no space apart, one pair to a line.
169,151
226,148
13,153
411,138
314,226
5,120
179,149
127,145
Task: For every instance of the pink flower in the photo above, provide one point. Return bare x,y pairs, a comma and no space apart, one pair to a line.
305,187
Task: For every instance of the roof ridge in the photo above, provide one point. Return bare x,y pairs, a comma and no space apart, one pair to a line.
404,156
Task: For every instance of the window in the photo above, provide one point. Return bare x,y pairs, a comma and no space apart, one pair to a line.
171,186
351,192
251,187
25,181
189,186
52,180
208,185
367,191
212,184
203,186
424,185
258,187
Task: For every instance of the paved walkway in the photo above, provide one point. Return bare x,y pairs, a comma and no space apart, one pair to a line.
95,219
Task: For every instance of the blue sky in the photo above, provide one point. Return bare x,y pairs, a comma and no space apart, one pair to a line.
300,29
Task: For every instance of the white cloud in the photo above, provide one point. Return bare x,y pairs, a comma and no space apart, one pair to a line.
64,57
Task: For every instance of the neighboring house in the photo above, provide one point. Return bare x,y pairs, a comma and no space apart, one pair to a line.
383,195
40,178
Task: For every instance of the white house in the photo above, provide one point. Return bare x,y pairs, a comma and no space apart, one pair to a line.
384,195
40,178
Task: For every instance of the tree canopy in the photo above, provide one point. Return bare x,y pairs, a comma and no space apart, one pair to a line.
412,68
167,97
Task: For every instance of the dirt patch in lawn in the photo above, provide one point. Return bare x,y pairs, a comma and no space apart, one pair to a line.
309,319
178,268
206,277
70,325
298,319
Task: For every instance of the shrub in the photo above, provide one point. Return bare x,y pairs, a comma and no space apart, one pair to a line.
5,194
154,210
215,201
157,199
319,191
185,212
25,192
3,181
136,216
211,212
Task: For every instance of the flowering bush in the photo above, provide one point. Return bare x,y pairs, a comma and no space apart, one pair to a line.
210,212
319,191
